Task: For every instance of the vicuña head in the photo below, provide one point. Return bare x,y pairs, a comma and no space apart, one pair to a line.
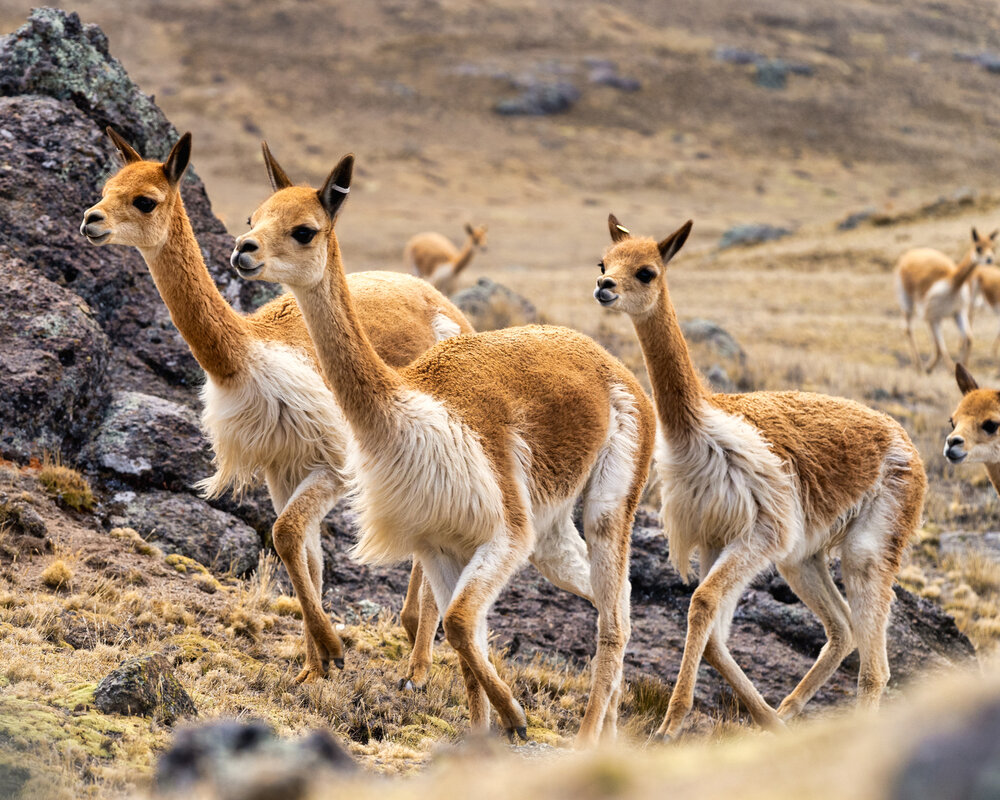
290,232
975,423
137,203
983,247
631,281
477,235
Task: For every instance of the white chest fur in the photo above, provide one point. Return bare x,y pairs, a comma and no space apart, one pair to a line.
282,420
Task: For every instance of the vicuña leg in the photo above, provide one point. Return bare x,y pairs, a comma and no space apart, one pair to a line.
608,539
422,654
488,571
940,348
718,657
965,329
295,535
812,582
918,362
410,613
561,556
735,568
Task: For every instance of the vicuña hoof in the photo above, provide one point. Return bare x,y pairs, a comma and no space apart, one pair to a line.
408,685
309,675
520,732
338,663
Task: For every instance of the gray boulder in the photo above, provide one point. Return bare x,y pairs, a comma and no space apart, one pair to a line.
180,523
491,306
753,233
540,99
144,687
719,355
150,441
53,363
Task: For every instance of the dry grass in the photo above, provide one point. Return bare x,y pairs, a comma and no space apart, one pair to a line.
57,575
66,485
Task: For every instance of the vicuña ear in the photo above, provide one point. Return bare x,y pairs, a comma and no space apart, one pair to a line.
993,235
668,247
334,191
618,231
275,174
966,383
469,230
125,150
975,236
178,160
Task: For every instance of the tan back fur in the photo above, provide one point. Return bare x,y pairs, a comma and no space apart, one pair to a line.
434,258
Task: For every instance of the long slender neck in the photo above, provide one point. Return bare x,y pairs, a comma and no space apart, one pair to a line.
217,335
464,257
965,269
364,385
677,389
993,473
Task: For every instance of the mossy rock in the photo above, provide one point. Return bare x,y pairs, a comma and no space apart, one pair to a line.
144,686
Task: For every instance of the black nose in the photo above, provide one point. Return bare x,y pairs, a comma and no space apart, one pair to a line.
606,283
955,441
247,246
93,216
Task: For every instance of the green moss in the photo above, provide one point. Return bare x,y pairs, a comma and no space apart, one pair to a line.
183,564
26,724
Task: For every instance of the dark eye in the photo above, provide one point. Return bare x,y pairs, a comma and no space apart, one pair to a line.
303,235
991,427
249,223
951,422
144,204
601,265
645,274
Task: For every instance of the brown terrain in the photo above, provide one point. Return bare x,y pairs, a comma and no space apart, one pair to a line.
883,114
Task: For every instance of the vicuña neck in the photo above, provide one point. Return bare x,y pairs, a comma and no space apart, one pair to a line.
464,257
364,385
965,269
993,473
217,335
677,389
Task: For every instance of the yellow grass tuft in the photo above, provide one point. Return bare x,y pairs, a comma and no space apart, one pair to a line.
57,575
131,537
285,606
67,486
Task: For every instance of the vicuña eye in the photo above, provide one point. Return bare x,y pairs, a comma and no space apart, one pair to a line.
144,204
249,223
991,427
601,265
951,422
645,274
303,235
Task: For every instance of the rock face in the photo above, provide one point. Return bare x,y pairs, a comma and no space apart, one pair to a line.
150,440
180,523
491,306
144,687
52,364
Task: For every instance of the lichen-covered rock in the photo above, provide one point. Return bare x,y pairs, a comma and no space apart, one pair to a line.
490,306
719,355
246,759
753,233
25,532
150,441
144,687
53,363
187,525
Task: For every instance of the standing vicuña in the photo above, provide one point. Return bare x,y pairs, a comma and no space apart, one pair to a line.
975,424
435,259
931,285
471,458
267,408
768,477
986,284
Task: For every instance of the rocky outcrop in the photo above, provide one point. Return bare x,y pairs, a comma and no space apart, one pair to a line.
144,687
187,525
490,306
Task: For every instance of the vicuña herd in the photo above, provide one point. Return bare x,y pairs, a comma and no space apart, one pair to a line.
468,452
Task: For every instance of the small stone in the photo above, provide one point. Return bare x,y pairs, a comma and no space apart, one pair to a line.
753,233
144,687
540,99
491,306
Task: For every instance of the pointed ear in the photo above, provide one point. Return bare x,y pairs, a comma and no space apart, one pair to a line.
966,383
125,150
993,235
469,230
975,236
618,231
178,160
334,191
275,174
668,247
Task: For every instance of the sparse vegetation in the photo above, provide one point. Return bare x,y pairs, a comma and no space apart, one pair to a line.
66,485
57,575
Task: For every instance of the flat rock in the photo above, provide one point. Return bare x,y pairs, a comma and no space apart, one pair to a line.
144,687
150,441
184,524
753,233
